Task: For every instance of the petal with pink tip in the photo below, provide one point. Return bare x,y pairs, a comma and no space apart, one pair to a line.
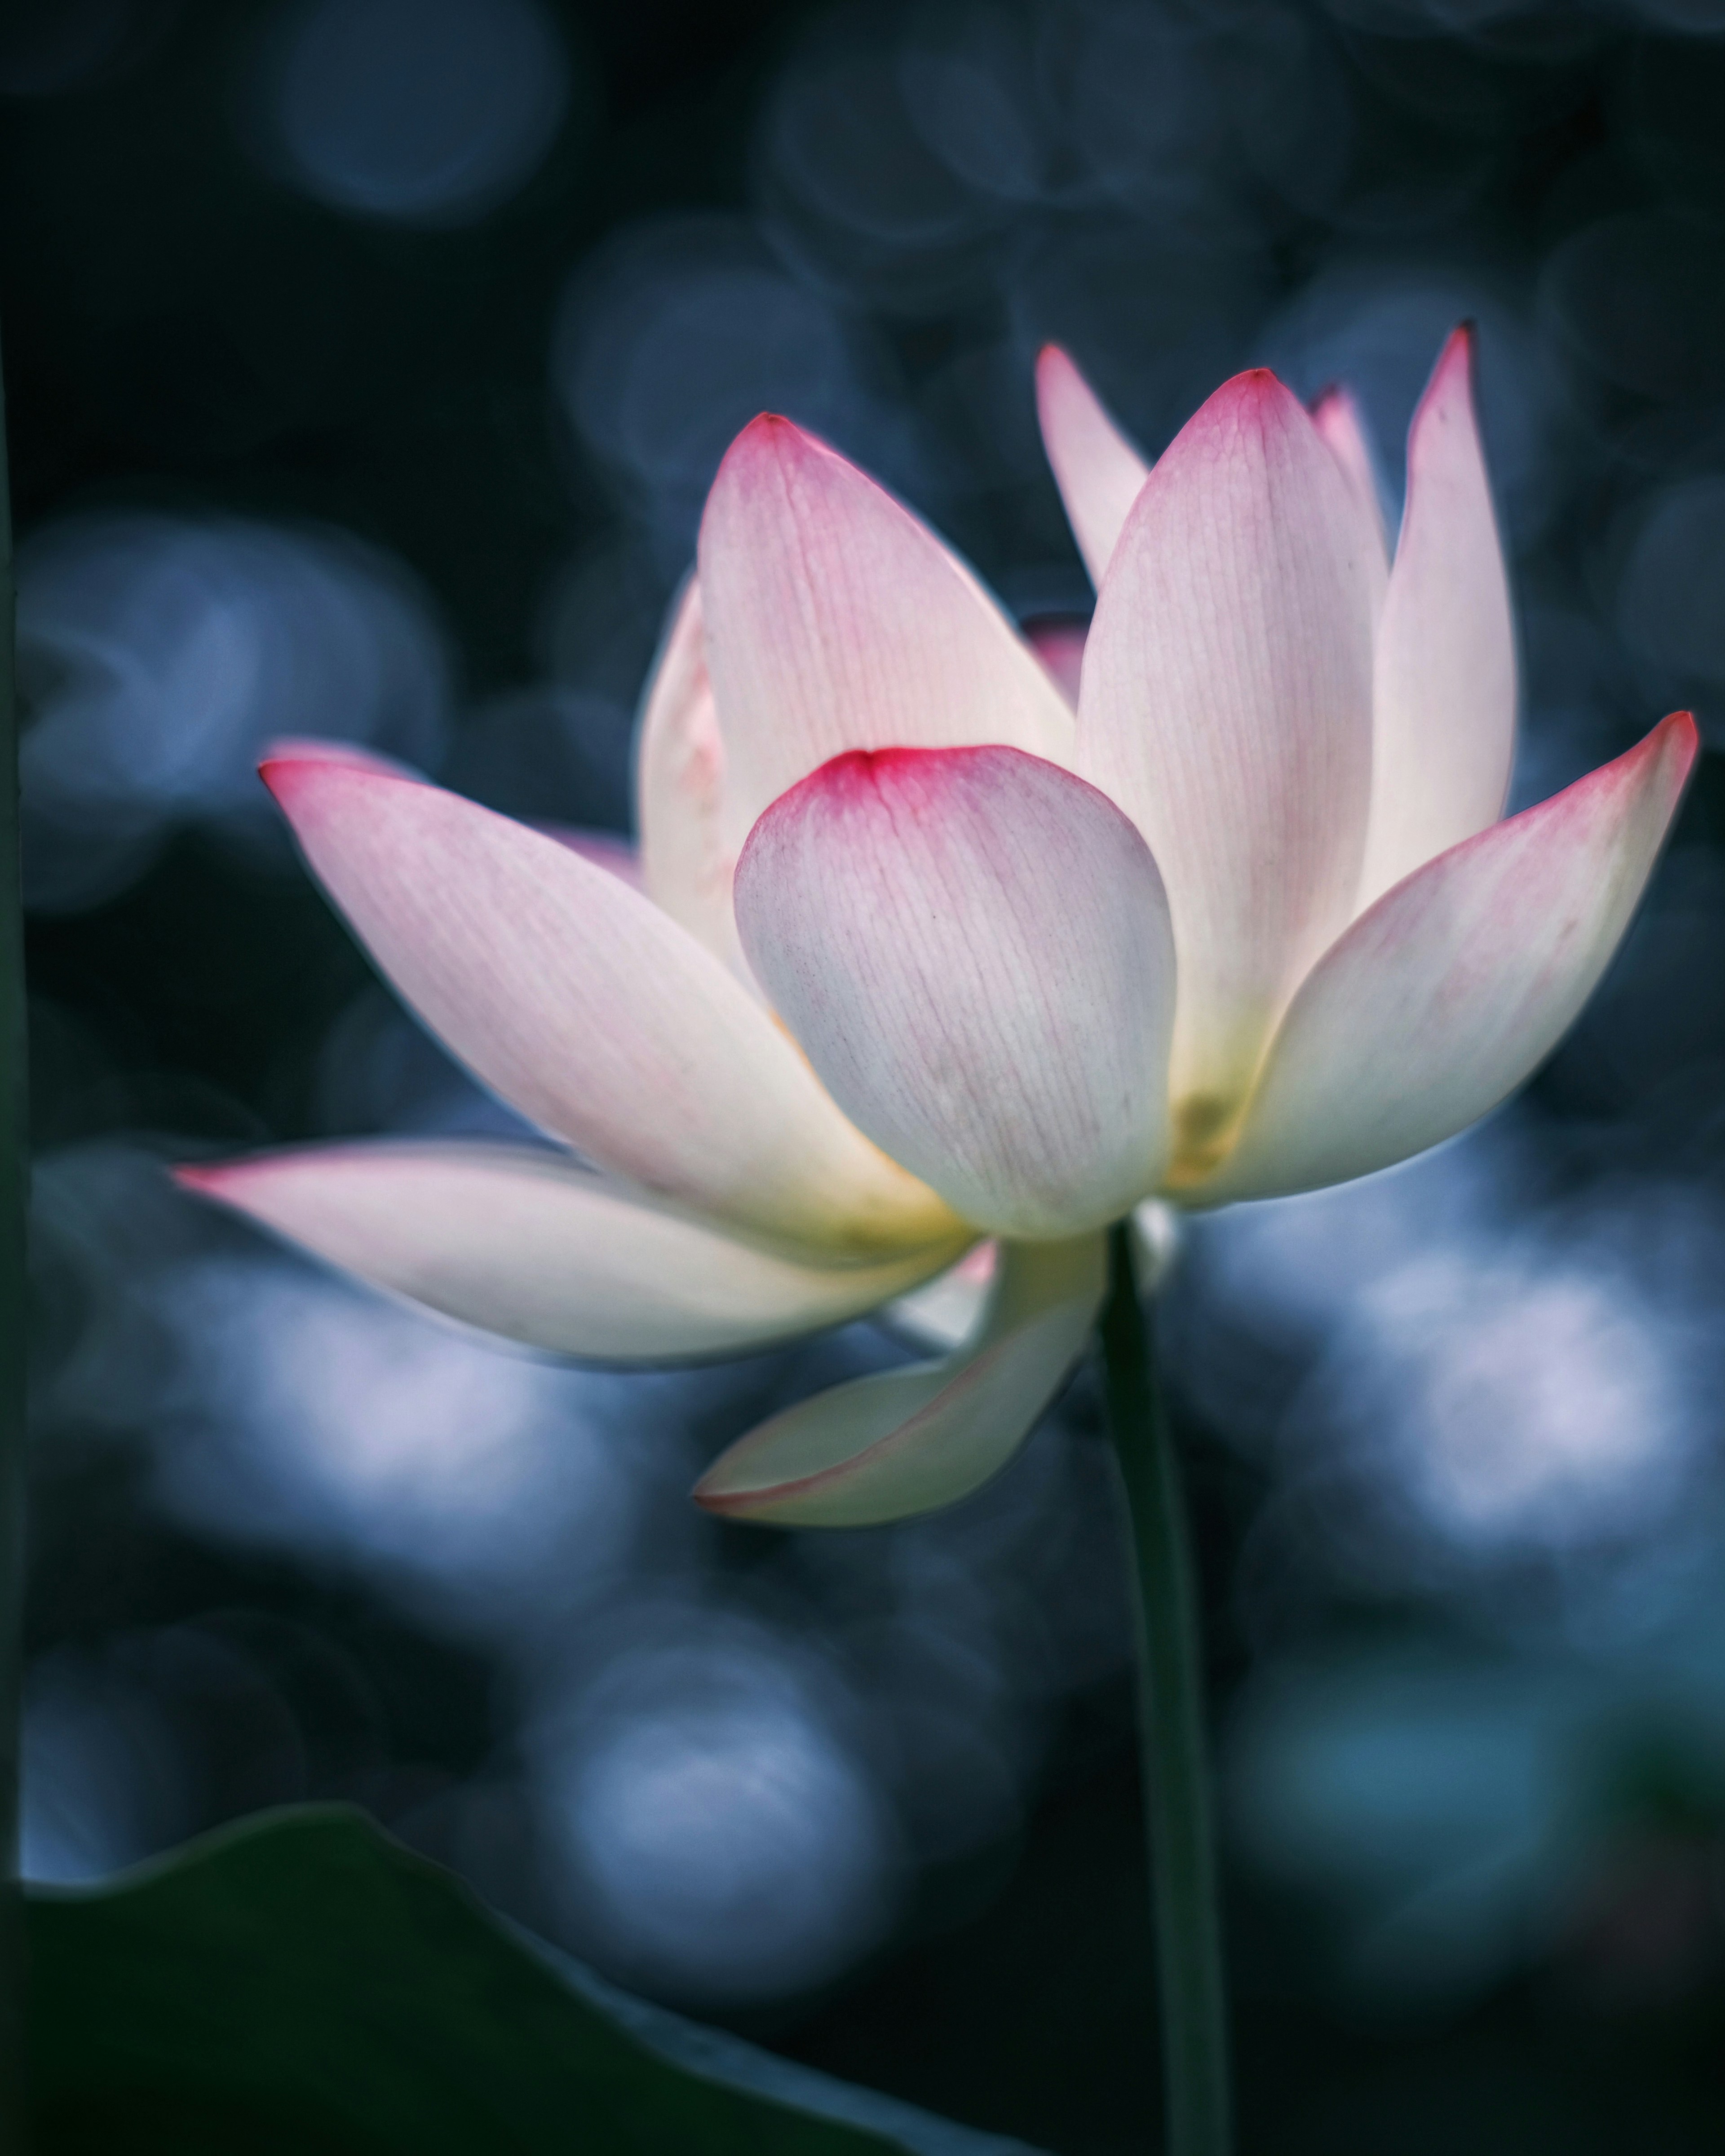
526,1245
908,1441
1444,736
973,947
605,850
1458,983
313,748
578,1001
1336,419
686,858
1098,470
836,620
1227,708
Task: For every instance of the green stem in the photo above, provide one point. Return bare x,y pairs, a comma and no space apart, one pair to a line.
14,1190
1173,1747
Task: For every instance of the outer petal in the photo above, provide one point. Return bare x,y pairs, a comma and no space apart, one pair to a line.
1226,706
974,947
686,858
313,748
1336,417
604,849
1098,470
1444,736
910,1440
1457,985
836,620
527,1245
579,1002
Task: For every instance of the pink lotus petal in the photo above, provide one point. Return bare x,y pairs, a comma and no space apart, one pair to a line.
1099,472
529,1246
1458,983
311,749
836,620
1336,419
1445,690
616,856
908,1441
599,1019
973,947
1226,706
687,857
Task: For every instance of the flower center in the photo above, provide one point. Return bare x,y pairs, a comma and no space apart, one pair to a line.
1205,1126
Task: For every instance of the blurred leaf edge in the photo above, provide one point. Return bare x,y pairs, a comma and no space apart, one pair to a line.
300,1980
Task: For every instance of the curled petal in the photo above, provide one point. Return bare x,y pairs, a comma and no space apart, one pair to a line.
907,1441
1457,984
1097,469
1226,706
973,947
529,1246
1444,697
686,858
600,1020
836,620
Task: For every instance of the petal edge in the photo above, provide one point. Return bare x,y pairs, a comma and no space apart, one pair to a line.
1099,472
1448,992
907,1441
525,1244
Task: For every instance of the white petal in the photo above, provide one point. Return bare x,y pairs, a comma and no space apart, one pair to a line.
534,1248
1226,706
1458,983
1098,470
1444,735
578,1001
836,620
907,1441
686,857
973,947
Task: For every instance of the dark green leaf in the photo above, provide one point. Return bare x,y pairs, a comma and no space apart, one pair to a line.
300,1983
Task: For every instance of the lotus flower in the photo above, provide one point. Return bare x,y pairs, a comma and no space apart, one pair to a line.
920,955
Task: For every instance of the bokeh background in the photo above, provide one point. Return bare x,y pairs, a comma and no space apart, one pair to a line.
367,362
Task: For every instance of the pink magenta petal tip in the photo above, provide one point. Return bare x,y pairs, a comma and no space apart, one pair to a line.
1460,351
298,752
1683,722
205,1181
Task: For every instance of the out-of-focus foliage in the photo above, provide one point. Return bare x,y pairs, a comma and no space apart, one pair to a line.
301,1981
